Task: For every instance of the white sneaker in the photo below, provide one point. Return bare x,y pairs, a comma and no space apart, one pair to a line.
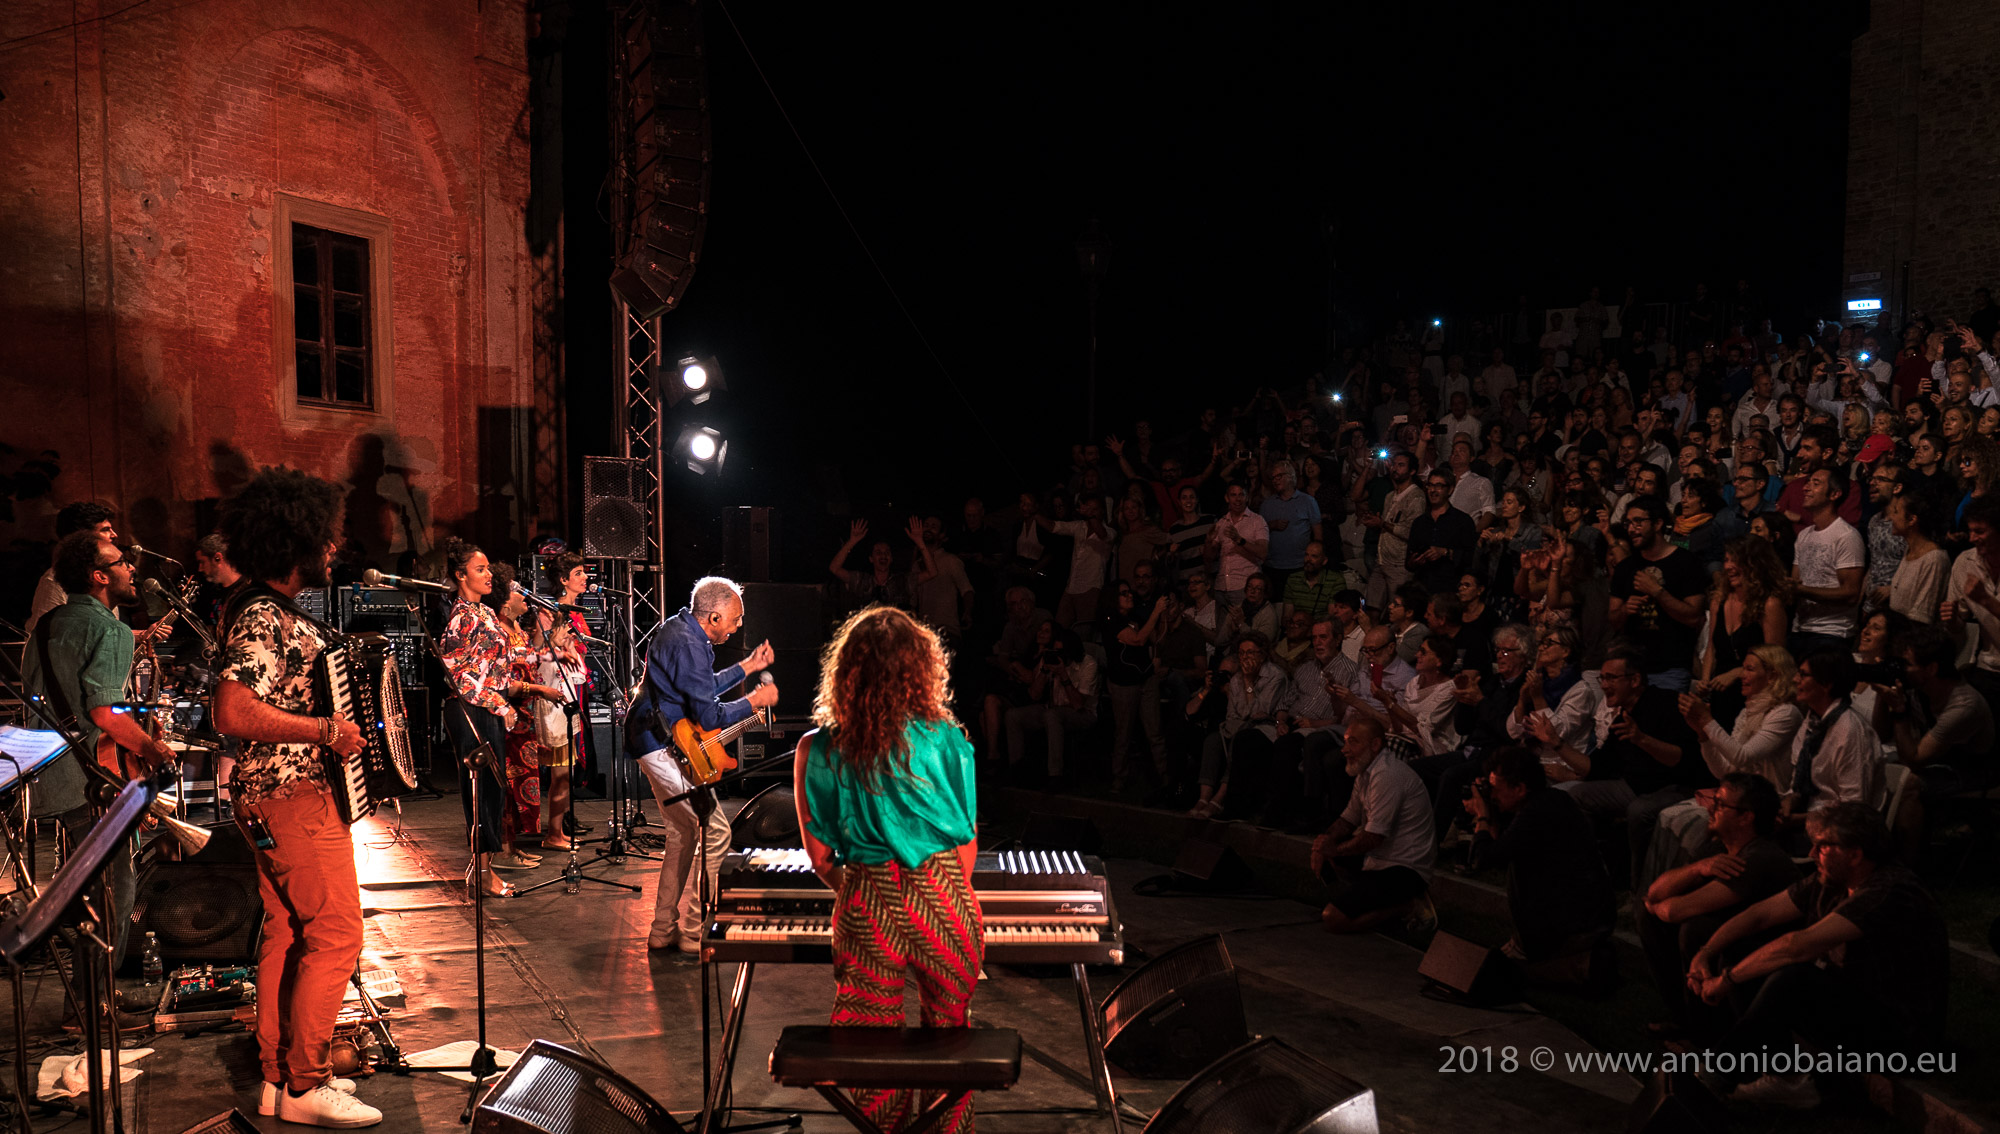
324,1106
1783,1091
267,1103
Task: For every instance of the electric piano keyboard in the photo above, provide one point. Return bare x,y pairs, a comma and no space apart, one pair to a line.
1039,907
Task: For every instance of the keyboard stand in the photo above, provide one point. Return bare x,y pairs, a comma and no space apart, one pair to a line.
739,999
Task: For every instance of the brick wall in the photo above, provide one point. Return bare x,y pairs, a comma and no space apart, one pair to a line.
1923,181
146,153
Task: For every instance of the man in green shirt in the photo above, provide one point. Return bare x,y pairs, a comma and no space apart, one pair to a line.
77,662
1311,588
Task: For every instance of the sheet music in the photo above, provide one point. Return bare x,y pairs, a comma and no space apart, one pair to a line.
30,745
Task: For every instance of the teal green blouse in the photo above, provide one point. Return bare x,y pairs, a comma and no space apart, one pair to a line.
906,817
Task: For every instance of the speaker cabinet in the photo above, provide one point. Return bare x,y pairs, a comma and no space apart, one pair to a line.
228,1122
1476,973
770,819
553,1090
205,909
1209,866
1676,1104
1268,1087
1176,1014
614,512
749,543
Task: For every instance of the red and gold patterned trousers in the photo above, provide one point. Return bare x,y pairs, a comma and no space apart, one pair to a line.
890,918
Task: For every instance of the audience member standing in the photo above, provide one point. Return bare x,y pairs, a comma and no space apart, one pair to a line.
1658,597
1827,569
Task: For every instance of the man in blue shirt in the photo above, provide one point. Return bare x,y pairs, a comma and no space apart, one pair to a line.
682,684
1294,520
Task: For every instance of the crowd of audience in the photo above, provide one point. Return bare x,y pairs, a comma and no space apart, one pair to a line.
1677,611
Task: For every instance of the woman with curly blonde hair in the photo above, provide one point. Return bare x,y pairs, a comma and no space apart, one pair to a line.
886,800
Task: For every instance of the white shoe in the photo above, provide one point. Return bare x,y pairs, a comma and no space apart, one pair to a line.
1782,1091
267,1103
324,1106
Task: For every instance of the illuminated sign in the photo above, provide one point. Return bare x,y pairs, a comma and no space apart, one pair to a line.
1864,305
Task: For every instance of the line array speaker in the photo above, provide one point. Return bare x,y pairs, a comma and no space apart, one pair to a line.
666,152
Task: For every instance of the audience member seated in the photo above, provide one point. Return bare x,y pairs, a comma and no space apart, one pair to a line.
1558,892
1836,756
1241,744
1760,744
1481,721
1313,587
1061,699
1405,618
1445,617
1296,646
1376,853
1862,962
1941,726
1307,785
1646,758
1255,613
1421,712
1684,906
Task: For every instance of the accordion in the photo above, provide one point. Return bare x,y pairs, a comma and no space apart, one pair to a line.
357,677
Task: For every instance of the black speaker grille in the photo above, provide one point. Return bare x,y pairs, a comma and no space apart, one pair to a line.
1177,968
559,1091
770,819
197,910
1268,1086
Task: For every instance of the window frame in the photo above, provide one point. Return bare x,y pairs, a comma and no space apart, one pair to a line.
289,210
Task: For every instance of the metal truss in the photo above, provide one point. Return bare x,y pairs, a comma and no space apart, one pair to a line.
640,423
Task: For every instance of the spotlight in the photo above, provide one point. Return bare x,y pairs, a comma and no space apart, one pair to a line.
693,379
703,449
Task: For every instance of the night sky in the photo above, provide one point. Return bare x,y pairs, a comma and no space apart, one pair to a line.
1245,161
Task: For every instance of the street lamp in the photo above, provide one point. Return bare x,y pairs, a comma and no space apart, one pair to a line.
1093,256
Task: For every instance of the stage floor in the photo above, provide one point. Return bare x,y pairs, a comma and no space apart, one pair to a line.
574,969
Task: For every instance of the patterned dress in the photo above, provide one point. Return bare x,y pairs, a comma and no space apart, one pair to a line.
524,767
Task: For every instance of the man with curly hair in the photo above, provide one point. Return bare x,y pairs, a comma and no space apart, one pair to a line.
682,683
282,530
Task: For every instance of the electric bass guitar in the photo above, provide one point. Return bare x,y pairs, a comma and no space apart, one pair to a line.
705,752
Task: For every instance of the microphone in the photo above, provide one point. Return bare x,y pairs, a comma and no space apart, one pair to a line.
545,602
137,550
375,578
600,589
590,641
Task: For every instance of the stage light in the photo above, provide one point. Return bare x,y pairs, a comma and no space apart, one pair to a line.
694,379
703,448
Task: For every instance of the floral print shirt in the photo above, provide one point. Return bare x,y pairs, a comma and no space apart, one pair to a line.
477,655
272,652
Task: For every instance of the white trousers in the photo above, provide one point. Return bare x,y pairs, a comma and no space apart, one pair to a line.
677,905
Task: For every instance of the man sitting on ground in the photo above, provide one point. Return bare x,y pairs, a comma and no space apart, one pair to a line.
1387,826
1685,906
1940,725
1558,892
1864,964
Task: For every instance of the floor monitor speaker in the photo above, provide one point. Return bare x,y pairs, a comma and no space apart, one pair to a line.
228,1122
1676,1104
1272,1088
1204,865
1176,1014
770,819
553,1090
1471,970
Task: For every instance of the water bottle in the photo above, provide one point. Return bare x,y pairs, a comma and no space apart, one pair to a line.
150,961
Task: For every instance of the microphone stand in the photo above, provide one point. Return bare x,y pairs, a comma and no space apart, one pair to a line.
572,876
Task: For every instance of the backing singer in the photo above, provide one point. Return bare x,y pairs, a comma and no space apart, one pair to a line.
886,801
282,530
681,684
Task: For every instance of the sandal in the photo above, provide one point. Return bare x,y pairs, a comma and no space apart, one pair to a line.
506,890
556,842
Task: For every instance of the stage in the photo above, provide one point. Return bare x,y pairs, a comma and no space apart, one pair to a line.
574,969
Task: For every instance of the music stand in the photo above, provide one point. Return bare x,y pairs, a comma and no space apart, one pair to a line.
29,929
24,753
